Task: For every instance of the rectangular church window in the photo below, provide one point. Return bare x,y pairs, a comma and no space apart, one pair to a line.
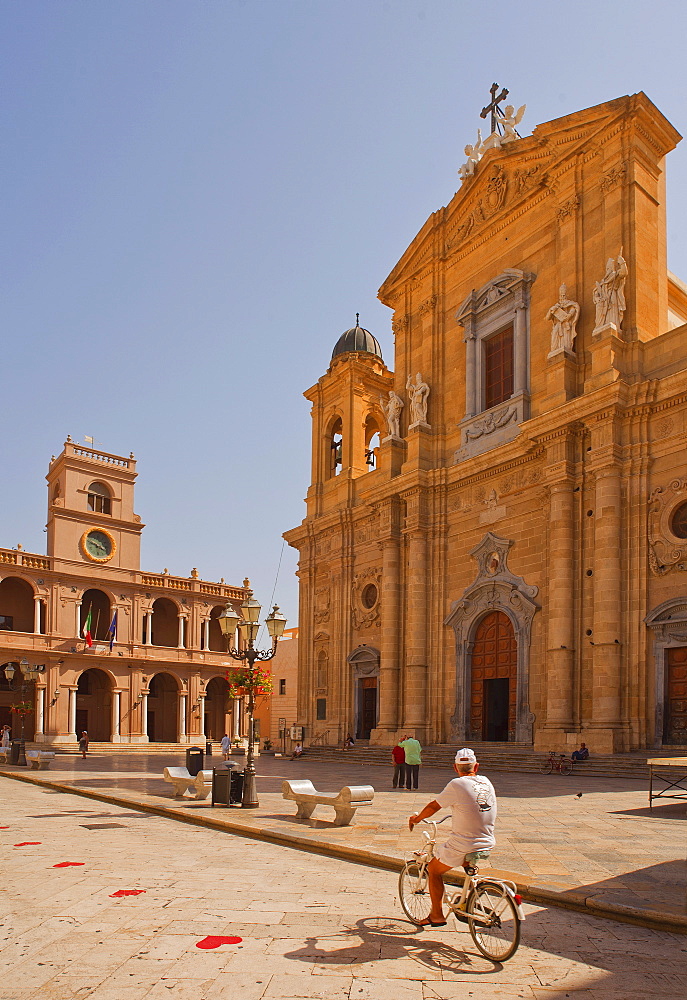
321,709
282,686
498,368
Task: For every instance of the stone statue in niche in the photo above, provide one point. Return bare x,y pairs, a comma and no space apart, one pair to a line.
419,391
392,412
564,315
609,294
509,120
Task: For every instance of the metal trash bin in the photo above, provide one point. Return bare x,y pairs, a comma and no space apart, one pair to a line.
208,748
236,787
221,786
194,760
17,748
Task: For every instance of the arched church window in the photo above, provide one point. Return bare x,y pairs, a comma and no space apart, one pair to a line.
336,448
99,499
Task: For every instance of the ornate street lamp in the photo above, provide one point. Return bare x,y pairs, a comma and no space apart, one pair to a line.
252,679
30,672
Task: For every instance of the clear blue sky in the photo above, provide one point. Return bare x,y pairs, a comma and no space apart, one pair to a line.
200,195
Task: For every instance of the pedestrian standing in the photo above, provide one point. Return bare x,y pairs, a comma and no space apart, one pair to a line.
398,756
413,752
83,744
226,746
5,739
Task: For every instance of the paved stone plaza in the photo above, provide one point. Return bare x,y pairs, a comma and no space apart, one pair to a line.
310,926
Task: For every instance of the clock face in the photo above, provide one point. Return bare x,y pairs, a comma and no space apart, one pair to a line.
99,546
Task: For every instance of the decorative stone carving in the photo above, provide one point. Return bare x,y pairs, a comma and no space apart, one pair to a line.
493,420
613,177
525,177
494,588
569,208
365,602
509,119
609,294
564,316
322,601
418,392
392,412
400,323
428,305
667,550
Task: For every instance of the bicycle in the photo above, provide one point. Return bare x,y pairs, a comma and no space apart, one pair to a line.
564,765
491,907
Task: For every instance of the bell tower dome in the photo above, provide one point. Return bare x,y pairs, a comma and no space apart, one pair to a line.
91,508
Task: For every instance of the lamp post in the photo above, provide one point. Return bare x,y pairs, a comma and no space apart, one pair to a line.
252,681
30,673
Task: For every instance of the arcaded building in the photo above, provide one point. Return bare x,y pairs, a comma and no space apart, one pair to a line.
495,545
155,670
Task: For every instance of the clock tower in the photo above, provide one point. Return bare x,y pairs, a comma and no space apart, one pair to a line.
91,508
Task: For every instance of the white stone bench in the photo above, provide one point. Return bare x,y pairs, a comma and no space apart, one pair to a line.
5,755
345,802
183,782
39,759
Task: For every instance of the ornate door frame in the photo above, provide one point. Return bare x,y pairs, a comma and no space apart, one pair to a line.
494,589
365,663
668,623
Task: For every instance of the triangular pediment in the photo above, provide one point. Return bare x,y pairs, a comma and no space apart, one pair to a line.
510,179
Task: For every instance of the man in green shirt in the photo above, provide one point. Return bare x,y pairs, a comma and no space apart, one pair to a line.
413,752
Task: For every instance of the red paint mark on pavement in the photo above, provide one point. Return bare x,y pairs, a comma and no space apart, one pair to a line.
126,892
69,864
4,828
28,843
215,942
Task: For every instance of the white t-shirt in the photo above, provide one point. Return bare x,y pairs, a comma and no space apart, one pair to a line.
226,743
5,738
473,806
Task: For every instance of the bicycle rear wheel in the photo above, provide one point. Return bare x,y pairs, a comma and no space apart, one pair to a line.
546,767
566,767
499,936
413,891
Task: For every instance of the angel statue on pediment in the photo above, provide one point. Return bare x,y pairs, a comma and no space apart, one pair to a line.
473,154
509,120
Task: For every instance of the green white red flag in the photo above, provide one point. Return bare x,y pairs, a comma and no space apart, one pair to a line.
86,630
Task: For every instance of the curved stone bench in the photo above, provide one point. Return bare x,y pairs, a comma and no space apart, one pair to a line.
344,803
39,759
201,783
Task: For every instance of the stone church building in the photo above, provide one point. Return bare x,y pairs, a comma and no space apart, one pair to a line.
495,545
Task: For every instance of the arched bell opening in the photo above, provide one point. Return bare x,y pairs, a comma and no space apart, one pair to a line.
372,442
334,457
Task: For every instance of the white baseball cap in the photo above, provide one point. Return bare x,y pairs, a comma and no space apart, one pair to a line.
466,756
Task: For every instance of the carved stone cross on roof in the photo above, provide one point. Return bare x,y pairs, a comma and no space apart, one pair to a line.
494,106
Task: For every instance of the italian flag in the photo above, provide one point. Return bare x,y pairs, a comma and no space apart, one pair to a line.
86,630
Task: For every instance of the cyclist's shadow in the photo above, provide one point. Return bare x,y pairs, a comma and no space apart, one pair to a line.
386,938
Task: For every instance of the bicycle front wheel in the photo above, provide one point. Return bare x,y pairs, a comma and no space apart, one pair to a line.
413,891
546,767
566,767
494,921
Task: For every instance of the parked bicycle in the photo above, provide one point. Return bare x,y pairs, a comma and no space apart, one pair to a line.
491,907
563,764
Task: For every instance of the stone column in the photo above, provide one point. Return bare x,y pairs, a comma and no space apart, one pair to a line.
559,683
144,715
149,628
78,618
181,632
236,726
182,719
472,404
201,717
415,675
72,712
390,612
40,712
520,346
37,615
607,610
116,714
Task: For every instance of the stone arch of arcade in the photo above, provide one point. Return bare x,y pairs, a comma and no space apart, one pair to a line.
218,706
163,708
492,623
94,705
16,605
100,606
165,630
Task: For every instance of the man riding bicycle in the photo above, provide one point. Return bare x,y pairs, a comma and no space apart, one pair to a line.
473,807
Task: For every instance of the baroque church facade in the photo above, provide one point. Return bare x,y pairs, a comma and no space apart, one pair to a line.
154,671
495,544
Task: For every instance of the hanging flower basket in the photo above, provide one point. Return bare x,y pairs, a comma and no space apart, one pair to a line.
22,708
